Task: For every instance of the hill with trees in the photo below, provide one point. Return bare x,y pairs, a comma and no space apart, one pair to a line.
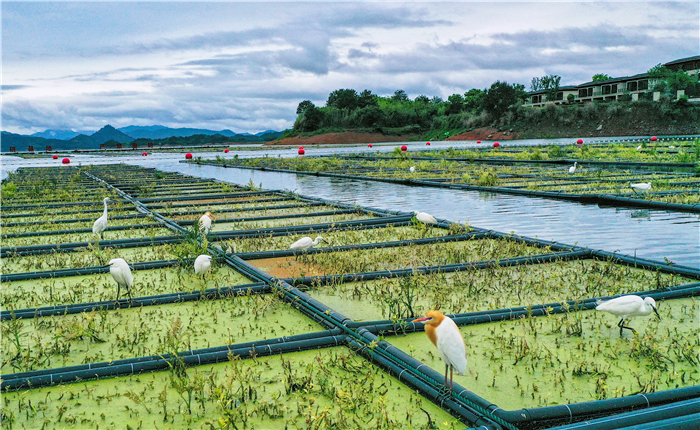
499,108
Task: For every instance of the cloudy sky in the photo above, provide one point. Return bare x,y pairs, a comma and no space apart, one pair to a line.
245,66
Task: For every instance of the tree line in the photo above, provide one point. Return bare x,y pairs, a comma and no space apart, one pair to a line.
348,109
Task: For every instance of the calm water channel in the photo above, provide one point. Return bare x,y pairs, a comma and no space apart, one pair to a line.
653,234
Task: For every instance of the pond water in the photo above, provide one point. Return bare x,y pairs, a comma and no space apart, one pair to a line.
646,233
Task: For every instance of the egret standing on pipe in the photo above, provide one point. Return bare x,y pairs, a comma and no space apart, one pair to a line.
305,243
628,307
202,265
425,218
205,222
642,186
101,223
572,169
120,271
445,335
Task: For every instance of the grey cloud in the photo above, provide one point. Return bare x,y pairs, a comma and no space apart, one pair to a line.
13,87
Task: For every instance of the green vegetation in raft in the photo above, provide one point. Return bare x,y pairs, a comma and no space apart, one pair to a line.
101,287
574,357
486,289
98,336
325,389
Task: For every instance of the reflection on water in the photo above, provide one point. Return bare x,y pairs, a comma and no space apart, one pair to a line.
645,233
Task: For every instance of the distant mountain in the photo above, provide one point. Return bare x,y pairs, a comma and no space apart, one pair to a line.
160,132
57,134
110,133
22,143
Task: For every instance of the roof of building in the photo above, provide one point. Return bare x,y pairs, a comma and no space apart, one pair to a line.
683,60
613,80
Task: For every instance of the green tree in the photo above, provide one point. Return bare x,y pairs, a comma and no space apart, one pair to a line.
366,99
549,84
499,98
474,100
303,106
599,77
455,103
309,120
400,96
343,99
422,100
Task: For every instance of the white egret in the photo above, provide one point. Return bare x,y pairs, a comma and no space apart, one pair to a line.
412,169
445,335
101,223
639,148
572,169
425,218
205,222
202,265
642,186
120,271
627,307
306,243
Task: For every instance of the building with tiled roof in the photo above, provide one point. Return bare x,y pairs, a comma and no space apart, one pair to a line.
636,87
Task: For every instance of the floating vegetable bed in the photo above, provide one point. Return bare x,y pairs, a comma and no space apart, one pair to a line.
278,348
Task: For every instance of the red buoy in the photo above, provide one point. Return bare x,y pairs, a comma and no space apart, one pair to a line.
188,156
496,144
144,153
654,138
579,142
301,151
370,145
427,143
478,141
66,160
301,147
404,148
55,157
226,150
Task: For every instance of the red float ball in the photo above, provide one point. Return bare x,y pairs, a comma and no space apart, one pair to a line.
144,153
301,151
404,148
55,157
226,151
496,144
370,145
478,141
66,160
301,147
579,142
427,143
188,156
654,138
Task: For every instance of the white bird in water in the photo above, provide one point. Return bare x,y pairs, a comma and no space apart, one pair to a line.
425,218
205,222
120,271
572,169
412,169
627,307
642,186
101,223
445,335
202,265
306,243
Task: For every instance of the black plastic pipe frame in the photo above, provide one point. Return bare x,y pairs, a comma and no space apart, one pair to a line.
258,350
90,366
673,416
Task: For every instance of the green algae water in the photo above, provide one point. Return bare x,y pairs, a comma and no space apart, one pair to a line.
330,388
575,357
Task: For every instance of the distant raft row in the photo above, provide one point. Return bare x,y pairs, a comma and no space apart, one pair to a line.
279,337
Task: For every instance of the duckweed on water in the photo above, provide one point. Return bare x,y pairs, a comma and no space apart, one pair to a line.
326,389
576,357
100,287
411,256
93,337
490,288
